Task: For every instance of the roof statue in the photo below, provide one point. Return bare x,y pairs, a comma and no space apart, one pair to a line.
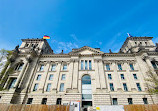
129,35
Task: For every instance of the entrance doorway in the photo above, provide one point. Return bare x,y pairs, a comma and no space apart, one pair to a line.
86,92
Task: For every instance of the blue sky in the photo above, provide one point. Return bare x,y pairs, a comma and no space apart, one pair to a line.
77,23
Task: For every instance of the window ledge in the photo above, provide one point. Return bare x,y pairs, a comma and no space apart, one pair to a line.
109,70
64,71
53,71
133,70
40,71
121,70
87,70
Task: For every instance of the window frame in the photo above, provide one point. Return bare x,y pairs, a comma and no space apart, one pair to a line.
119,67
53,68
111,87
109,76
48,89
61,89
135,75
125,87
35,88
108,67
51,75
63,75
138,87
122,77
38,79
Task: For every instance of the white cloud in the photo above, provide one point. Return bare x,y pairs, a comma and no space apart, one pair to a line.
58,46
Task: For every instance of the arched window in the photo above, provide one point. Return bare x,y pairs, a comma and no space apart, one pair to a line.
86,91
86,79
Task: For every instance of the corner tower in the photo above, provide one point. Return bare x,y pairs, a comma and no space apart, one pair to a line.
135,44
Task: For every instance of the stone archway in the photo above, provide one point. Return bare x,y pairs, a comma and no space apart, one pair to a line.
86,91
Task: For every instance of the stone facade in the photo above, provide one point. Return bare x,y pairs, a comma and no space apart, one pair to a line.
40,73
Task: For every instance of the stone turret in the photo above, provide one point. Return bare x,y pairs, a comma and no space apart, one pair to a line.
38,45
136,44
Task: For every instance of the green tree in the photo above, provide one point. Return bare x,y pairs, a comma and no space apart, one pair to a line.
152,82
3,54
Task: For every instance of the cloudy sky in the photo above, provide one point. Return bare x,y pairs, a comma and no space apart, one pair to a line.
77,23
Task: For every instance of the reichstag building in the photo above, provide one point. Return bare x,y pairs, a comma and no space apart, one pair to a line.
86,74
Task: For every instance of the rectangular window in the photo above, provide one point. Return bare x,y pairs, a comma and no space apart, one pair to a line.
131,66
44,101
109,76
65,67
48,87
130,101
82,62
59,101
61,87
53,67
86,96
107,67
86,65
63,77
154,65
138,86
114,101
111,87
38,78
125,87
35,87
12,83
42,68
119,67
90,65
29,101
51,77
122,76
135,76
145,100
20,67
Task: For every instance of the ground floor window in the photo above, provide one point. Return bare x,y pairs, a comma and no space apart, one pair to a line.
44,101
29,101
59,101
130,101
12,83
114,101
145,100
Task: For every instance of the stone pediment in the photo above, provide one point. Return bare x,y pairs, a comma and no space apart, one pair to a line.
86,50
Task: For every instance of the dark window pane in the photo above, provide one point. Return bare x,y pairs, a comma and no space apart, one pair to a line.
145,100
44,101
29,101
58,101
130,101
114,100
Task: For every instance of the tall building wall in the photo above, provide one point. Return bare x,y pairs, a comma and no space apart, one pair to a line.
39,73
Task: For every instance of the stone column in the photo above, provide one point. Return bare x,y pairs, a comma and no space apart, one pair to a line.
97,77
5,83
44,76
116,77
149,63
21,73
75,74
102,75
71,68
30,75
57,75
129,77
